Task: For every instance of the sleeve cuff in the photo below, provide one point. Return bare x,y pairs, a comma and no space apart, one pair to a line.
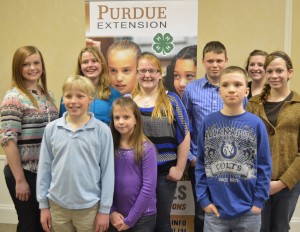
258,203
104,209
128,223
44,204
191,157
204,202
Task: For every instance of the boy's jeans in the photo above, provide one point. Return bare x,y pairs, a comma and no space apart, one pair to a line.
249,222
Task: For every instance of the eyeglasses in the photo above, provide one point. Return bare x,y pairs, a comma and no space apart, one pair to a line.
150,71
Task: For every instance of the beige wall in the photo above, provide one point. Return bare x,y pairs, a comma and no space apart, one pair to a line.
241,26
247,25
295,52
57,28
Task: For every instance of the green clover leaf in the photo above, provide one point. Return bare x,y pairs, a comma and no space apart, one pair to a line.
163,43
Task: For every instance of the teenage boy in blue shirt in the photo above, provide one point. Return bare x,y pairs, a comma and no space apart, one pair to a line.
200,98
233,167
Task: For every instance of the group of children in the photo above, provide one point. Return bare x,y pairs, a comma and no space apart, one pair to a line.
243,166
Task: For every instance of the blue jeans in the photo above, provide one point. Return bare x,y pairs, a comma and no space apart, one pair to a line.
144,224
165,191
249,222
279,210
199,212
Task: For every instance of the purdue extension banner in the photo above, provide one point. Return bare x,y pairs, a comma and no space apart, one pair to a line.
163,28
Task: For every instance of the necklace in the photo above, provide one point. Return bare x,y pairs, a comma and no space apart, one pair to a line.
148,103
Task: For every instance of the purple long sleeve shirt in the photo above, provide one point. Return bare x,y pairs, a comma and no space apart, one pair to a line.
135,184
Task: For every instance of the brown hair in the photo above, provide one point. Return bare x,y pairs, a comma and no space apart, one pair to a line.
235,69
103,86
215,47
137,138
163,105
254,53
272,56
187,53
17,79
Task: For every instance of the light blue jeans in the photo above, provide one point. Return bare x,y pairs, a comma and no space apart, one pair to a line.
249,222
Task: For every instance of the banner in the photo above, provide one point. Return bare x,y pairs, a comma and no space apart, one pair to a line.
182,214
161,27
165,28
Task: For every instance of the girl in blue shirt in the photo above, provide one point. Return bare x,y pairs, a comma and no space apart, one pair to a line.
91,64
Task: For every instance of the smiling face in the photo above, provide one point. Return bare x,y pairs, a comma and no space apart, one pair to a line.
147,81
184,72
214,63
90,67
122,70
32,69
76,101
277,74
256,69
124,120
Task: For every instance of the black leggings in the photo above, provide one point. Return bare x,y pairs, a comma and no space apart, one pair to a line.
28,211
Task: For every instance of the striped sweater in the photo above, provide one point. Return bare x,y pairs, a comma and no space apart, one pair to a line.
25,124
165,136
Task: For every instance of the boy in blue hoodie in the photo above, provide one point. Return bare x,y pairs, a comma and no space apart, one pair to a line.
233,166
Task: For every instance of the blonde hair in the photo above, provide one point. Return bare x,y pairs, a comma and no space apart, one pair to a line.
17,78
163,105
81,83
124,44
137,138
272,56
103,86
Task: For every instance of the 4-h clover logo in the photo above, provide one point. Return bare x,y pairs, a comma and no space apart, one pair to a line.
163,43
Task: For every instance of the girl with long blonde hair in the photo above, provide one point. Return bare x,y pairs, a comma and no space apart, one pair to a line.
166,124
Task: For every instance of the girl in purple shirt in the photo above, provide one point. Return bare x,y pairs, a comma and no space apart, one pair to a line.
134,203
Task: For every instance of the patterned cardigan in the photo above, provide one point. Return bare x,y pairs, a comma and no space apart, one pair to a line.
24,124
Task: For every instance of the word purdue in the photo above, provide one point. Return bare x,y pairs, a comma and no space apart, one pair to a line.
106,12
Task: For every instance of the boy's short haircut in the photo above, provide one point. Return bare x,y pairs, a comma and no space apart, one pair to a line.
235,69
81,83
215,47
